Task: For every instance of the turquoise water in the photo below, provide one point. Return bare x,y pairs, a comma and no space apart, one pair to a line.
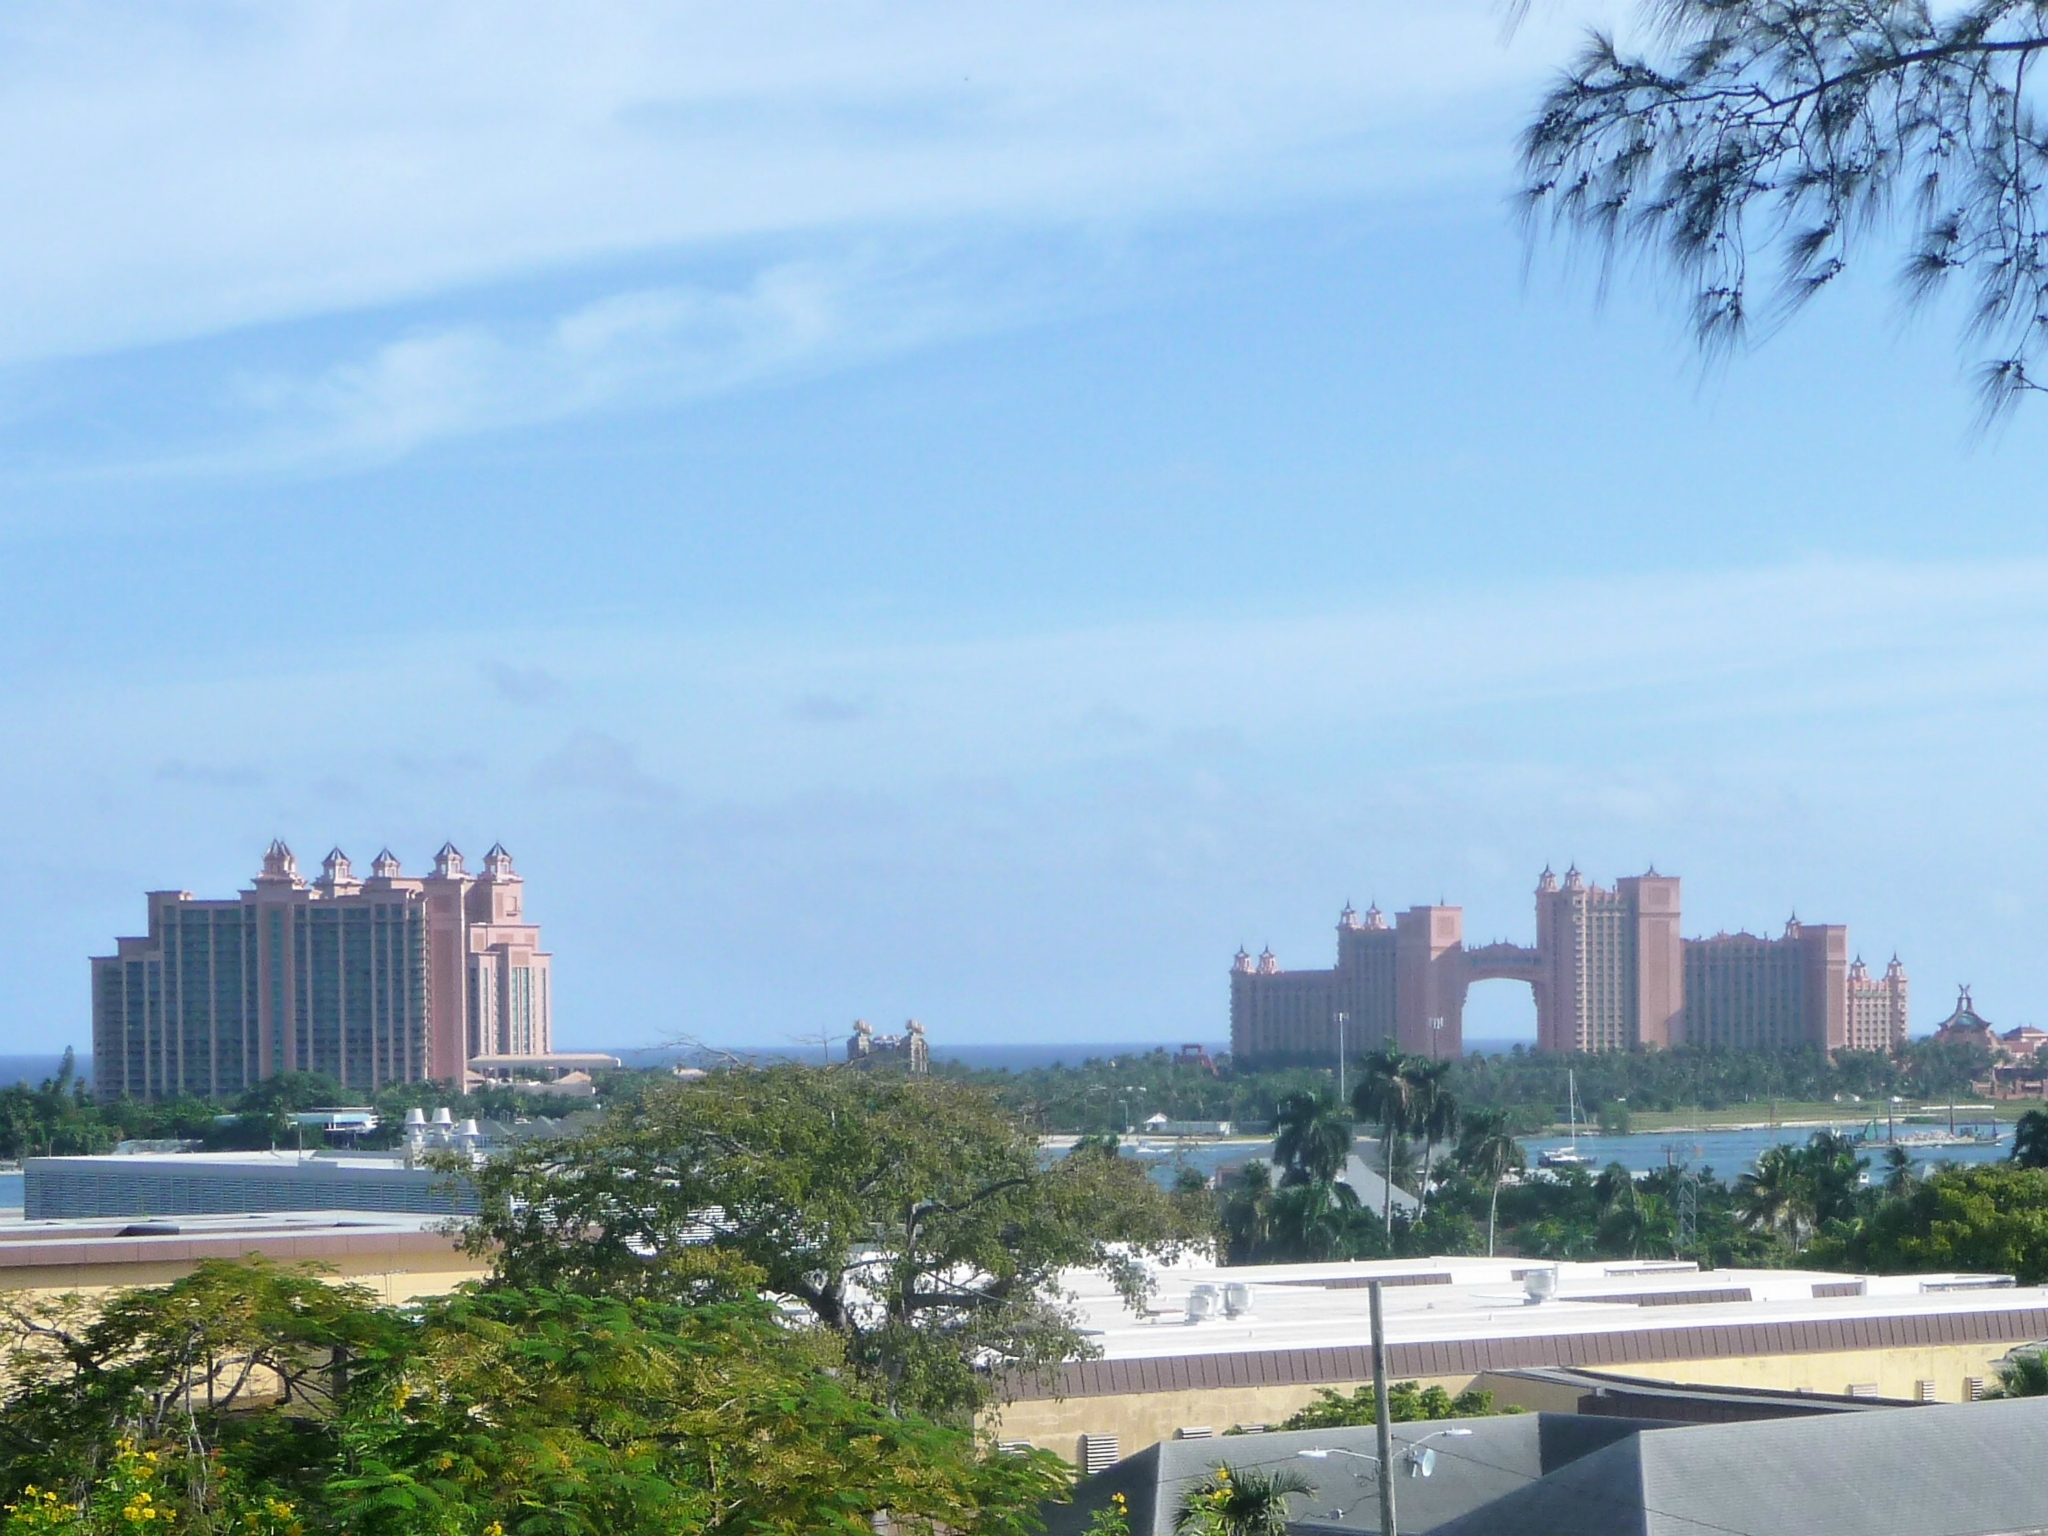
10,1191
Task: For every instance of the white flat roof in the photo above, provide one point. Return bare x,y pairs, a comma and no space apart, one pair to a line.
281,1157
285,1236
1326,1306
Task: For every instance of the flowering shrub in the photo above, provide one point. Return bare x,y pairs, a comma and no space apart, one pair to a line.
142,1490
1113,1519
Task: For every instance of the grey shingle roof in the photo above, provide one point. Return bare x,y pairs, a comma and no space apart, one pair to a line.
1500,1456
1964,1469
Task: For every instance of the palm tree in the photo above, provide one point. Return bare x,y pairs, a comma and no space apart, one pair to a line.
1247,1215
1833,1173
1773,1195
1898,1171
1385,1095
1614,1186
1436,1119
1232,1503
2023,1373
1313,1223
1314,1139
2030,1140
1491,1154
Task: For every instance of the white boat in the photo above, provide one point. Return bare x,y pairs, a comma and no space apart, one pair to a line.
1568,1156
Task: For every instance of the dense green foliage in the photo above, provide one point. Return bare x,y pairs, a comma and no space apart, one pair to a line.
767,1302
62,1116
1408,1402
1119,1093
1240,1501
2024,1373
250,1399
912,1218
1991,1217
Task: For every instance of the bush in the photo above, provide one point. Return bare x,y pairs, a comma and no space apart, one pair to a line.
1408,1402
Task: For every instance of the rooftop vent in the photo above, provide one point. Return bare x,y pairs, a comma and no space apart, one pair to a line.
1540,1285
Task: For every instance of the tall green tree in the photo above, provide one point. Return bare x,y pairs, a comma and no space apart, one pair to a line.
1773,1195
1386,1097
1435,1116
1312,1138
910,1217
1313,1223
2030,1140
1898,1171
1490,1154
1247,1211
1988,1216
1790,133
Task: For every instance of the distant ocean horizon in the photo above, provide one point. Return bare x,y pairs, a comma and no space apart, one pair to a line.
32,1069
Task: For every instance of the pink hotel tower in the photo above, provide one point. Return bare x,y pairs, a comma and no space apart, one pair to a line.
1609,972
389,979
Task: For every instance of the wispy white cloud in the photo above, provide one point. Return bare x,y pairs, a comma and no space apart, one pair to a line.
643,348
199,172
195,168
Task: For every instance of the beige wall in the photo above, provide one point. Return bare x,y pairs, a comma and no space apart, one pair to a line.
394,1275
1139,1419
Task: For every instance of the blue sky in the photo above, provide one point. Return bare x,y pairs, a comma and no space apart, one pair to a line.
891,512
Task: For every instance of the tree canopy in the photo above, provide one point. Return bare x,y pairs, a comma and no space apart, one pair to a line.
488,1413
911,1217
1793,132
1991,1217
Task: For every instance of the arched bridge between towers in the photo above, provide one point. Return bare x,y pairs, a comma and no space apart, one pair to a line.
1435,988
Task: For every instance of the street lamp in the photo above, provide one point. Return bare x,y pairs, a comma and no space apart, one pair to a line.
1891,1111
1436,1027
1419,1461
1340,1056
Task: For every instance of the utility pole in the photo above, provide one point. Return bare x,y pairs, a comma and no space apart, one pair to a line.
1383,1411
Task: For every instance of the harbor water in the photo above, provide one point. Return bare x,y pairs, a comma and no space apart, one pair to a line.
1726,1153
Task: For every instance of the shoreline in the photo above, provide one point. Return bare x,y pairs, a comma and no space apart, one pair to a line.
1064,1140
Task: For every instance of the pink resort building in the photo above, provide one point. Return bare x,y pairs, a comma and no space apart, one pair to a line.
1609,972
389,979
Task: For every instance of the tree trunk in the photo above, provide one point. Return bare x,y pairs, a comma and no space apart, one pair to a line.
1492,1210
1387,1163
